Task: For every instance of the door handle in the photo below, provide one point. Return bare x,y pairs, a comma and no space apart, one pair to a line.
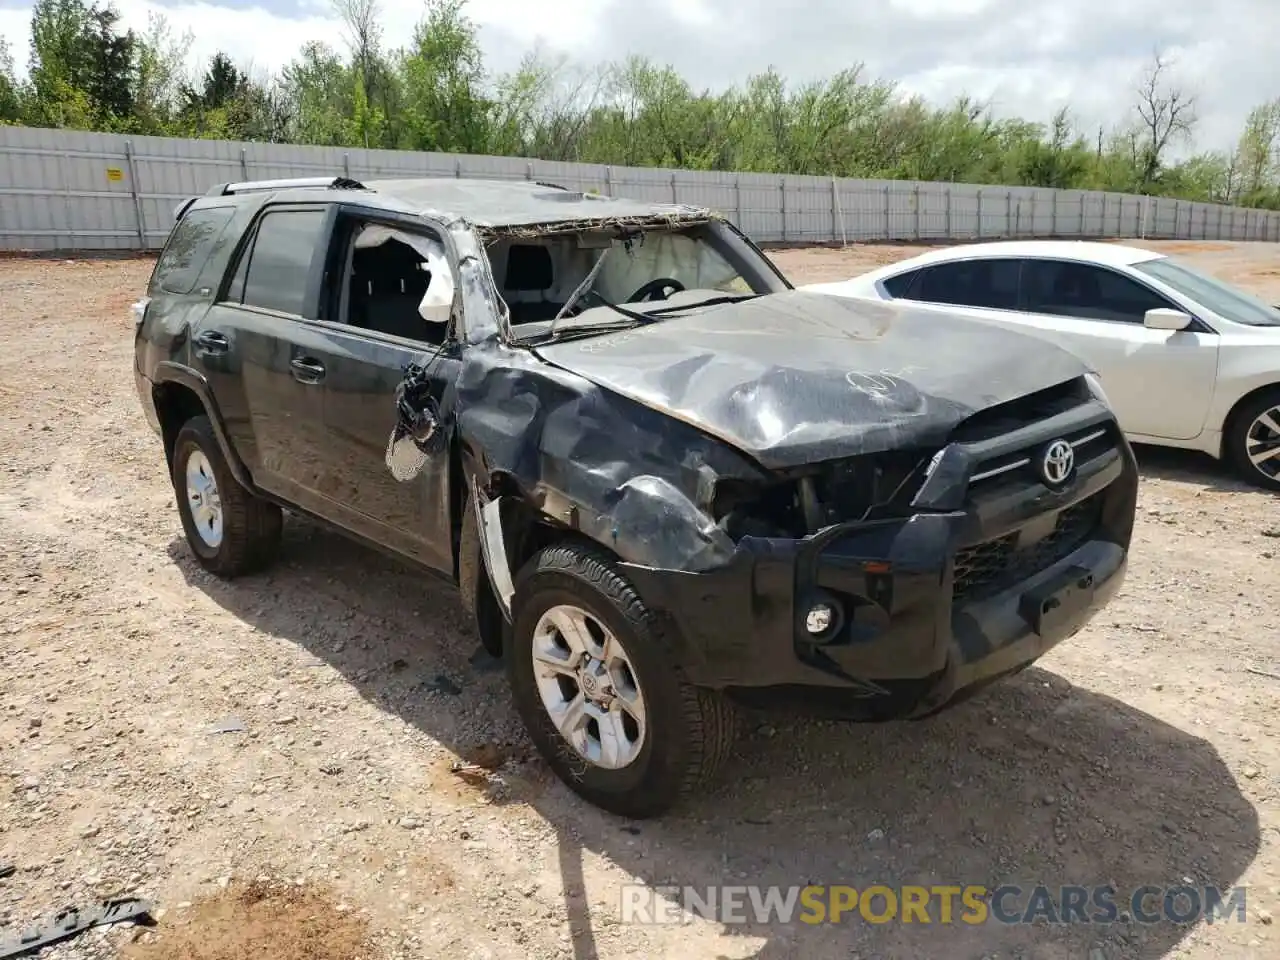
307,370
213,342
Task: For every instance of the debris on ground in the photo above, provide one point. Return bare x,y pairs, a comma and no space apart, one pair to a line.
72,922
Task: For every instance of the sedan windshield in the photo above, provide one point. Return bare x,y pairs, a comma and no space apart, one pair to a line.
1226,301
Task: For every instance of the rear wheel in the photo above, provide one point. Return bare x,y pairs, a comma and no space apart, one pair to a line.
230,531
1253,440
594,683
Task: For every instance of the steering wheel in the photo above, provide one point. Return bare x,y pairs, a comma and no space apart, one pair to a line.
656,286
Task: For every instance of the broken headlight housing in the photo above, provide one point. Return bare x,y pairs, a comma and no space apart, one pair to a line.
803,502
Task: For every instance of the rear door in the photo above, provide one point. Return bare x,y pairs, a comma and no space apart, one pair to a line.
258,350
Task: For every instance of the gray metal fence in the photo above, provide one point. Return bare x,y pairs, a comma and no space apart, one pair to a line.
69,190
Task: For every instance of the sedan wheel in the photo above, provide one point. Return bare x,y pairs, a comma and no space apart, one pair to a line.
1252,439
1262,443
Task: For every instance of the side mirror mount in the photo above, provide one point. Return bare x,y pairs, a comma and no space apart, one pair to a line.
1162,318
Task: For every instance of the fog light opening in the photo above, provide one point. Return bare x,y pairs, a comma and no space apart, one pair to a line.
823,618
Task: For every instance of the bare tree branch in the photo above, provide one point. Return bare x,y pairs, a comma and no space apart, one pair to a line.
1167,112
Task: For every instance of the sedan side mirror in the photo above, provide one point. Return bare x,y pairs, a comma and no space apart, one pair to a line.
1162,318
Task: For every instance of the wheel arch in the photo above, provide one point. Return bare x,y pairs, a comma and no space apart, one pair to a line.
180,393
1229,422
525,531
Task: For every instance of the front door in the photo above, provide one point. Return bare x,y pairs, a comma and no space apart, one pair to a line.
373,330
1160,382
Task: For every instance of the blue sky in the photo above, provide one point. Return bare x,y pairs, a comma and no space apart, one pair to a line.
1027,56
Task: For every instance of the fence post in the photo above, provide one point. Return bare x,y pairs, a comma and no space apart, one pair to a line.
1082,198
836,224
457,169
1008,213
1053,215
674,197
1219,236
737,199
139,220
346,165
915,203
888,228
244,165
946,193
979,231
782,193
608,181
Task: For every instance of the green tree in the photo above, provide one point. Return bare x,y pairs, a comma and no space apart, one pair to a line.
10,99
442,74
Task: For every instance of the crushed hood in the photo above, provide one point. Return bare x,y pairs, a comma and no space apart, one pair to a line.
798,377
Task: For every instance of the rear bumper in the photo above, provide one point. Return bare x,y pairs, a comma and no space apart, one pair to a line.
930,608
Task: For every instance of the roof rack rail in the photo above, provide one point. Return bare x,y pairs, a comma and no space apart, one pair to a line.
183,207
289,183
549,186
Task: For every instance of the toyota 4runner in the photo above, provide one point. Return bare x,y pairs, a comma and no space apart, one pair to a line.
664,481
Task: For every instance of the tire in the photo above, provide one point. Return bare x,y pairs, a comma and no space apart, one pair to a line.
248,535
1244,422
688,731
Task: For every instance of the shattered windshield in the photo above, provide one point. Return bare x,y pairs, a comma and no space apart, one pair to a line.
573,283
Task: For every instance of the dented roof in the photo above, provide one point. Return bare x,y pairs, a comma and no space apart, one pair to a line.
498,204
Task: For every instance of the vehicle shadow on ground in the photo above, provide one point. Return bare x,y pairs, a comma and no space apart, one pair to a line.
1190,467
1036,781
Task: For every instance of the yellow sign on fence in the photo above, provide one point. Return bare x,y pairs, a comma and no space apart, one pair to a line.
115,174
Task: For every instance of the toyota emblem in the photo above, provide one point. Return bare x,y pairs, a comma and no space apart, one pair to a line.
1058,462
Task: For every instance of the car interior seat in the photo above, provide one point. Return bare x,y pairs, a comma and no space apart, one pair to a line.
388,284
530,277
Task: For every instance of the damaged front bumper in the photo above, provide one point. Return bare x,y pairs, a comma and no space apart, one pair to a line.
923,610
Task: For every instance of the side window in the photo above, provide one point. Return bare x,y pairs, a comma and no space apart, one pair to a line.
898,287
971,283
188,249
399,283
1067,289
285,247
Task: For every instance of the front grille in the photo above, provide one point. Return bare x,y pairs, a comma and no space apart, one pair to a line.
1020,466
985,569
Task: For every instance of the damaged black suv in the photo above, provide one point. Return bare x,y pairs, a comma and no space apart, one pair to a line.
664,481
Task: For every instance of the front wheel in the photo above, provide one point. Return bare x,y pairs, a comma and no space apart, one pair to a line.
1253,440
595,686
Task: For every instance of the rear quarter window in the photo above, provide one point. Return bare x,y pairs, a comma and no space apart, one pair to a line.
188,249
898,286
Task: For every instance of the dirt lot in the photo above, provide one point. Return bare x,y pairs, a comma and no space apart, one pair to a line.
381,801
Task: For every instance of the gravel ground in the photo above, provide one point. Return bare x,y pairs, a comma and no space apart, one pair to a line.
380,800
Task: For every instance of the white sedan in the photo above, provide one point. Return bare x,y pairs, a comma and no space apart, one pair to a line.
1186,360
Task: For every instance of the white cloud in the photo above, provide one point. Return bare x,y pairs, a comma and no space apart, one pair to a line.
1027,56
